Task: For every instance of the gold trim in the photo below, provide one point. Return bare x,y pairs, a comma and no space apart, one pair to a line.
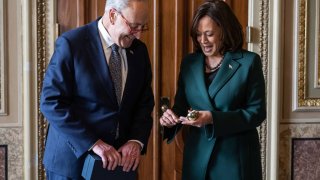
303,100
41,66
263,45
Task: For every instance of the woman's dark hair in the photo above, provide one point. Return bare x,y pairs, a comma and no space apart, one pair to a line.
231,29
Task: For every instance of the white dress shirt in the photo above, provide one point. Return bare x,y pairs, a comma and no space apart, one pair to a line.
106,44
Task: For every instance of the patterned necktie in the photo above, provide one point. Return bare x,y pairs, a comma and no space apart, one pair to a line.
115,70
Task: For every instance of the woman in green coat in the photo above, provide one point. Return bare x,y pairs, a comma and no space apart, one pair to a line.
224,86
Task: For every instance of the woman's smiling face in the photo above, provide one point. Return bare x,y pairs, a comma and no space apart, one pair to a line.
209,36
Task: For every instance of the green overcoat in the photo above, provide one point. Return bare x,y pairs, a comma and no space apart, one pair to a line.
229,149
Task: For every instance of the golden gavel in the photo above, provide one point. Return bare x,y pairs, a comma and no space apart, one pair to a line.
192,115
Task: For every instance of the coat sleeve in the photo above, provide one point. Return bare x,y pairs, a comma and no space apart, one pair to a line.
142,121
57,99
253,110
180,108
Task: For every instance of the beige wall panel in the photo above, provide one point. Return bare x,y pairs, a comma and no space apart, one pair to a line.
13,63
3,68
11,81
317,45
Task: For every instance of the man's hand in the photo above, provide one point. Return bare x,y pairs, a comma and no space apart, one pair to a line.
109,155
130,155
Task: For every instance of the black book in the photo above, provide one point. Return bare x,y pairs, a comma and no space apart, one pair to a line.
93,170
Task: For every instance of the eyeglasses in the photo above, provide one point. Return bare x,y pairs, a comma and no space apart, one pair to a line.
134,28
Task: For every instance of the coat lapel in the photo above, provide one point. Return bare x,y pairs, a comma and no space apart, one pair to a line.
227,69
98,60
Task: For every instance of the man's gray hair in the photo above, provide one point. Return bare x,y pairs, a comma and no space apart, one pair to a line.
118,4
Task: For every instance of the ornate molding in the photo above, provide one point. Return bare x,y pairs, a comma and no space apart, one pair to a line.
263,46
302,102
3,69
41,67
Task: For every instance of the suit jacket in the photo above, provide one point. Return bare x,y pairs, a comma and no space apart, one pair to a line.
230,148
80,104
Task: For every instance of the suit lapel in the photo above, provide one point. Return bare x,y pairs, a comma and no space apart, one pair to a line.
98,60
228,68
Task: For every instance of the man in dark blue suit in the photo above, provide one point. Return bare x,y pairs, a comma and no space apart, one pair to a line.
87,108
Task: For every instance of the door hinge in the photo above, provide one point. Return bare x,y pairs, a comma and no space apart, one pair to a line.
57,30
249,34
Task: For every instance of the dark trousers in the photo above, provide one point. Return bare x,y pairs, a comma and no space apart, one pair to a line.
53,176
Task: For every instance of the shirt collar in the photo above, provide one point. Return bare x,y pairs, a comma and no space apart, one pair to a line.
104,33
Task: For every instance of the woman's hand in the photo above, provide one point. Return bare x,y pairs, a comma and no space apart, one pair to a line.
204,118
169,119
